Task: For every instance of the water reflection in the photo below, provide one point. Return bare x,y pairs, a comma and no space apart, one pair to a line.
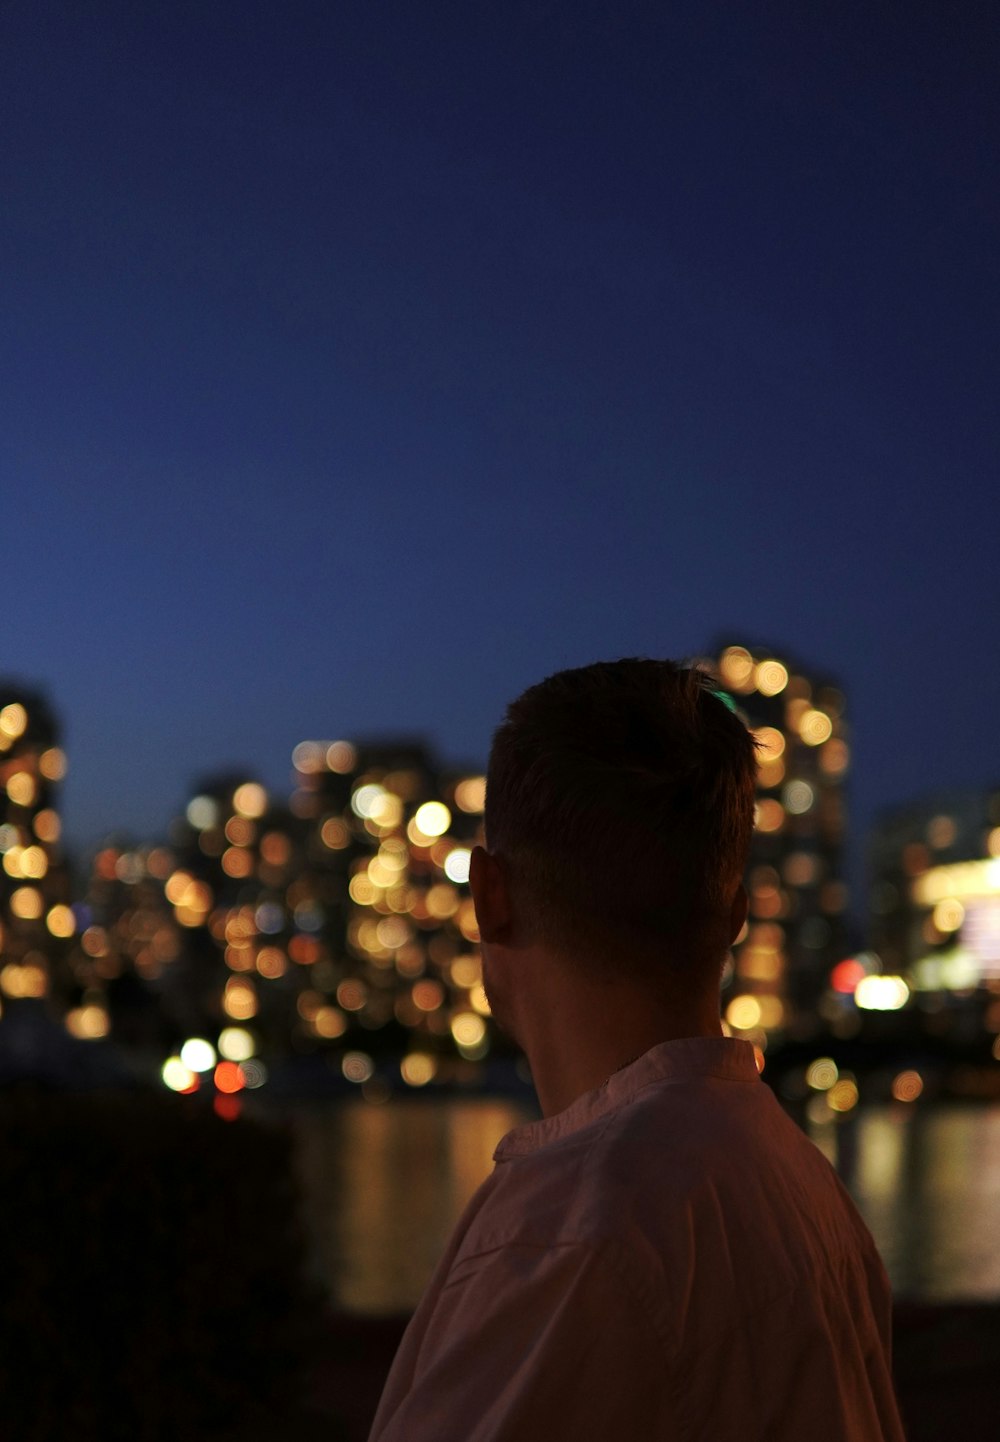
928,1184
384,1186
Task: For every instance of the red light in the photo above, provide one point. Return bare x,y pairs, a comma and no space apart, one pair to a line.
229,1077
845,976
227,1107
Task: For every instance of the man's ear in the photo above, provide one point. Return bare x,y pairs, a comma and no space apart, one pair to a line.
490,895
738,912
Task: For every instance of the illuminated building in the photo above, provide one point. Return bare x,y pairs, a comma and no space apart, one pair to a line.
935,903
127,942
796,926
36,920
340,923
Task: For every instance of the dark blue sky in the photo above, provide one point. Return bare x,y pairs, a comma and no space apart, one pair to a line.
363,362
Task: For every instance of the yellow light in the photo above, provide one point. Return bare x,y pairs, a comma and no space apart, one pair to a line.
964,879
362,889
468,1029
949,914
843,1095
26,903
433,818
881,993
52,764
466,919
442,901
822,1073
815,727
341,757
770,743
34,863
12,861
23,980
47,826
365,798
769,815
466,971
381,875
393,932
480,1001
13,720
772,1012
177,1076
239,1000
236,1043
771,678
61,921
736,668
250,800
21,788
743,1012
418,1068
89,1022
328,1022
386,811
470,795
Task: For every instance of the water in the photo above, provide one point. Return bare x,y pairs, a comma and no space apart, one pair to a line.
384,1186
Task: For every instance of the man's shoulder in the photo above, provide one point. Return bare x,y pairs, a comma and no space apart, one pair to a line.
711,1176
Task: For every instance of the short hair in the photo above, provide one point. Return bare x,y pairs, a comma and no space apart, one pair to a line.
621,798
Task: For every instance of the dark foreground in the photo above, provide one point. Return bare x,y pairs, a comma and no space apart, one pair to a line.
947,1376
154,1289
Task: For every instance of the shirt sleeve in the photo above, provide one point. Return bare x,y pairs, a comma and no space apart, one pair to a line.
534,1344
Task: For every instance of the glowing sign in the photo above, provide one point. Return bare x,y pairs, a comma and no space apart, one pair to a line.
965,878
881,993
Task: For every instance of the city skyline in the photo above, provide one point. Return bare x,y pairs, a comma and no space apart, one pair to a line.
362,369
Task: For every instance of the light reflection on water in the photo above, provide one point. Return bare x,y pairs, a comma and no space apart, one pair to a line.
384,1185
927,1182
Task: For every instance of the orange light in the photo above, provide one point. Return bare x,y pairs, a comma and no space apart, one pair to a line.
229,1077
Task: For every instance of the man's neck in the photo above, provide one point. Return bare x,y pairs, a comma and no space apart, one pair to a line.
591,1029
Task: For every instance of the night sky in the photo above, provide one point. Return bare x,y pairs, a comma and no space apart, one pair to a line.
362,363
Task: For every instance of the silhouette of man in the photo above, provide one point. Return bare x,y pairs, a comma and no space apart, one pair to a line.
664,1255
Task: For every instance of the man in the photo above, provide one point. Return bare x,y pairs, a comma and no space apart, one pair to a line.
664,1255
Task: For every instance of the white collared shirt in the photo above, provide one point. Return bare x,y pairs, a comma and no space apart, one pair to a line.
668,1258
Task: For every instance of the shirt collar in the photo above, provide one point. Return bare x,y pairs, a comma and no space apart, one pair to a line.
726,1058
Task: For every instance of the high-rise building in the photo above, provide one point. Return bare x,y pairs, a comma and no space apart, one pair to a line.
36,920
935,904
796,930
339,924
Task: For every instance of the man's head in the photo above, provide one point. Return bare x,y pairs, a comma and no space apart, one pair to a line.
619,804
